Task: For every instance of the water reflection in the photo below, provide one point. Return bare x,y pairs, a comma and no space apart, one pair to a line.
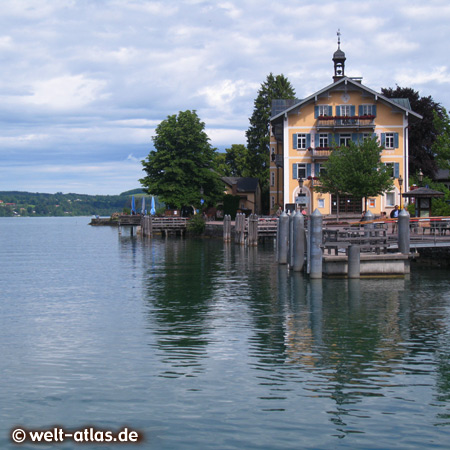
358,348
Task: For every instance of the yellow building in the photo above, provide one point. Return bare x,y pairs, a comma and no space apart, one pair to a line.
303,132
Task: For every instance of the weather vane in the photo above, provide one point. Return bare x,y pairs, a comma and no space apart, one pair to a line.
339,36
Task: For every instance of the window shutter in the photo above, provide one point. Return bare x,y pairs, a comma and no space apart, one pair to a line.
294,171
383,139
338,110
360,110
316,140
374,110
330,110
295,141
308,140
352,110
316,112
336,139
396,170
355,137
330,139
316,169
308,169
395,140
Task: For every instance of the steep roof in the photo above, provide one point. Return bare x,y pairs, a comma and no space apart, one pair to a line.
402,104
243,184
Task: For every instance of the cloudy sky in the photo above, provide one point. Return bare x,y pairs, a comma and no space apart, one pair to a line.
84,83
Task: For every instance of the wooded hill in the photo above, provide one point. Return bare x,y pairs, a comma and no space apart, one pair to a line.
14,203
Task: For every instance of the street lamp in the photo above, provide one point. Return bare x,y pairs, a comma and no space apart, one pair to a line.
400,184
300,184
420,176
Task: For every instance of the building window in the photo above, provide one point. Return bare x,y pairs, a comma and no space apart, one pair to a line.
367,110
323,140
390,198
321,203
346,110
389,141
323,110
301,141
344,139
372,203
272,178
272,202
301,171
319,169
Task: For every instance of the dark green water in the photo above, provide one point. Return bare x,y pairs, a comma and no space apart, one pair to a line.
198,345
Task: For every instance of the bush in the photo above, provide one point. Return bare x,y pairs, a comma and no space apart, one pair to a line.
196,225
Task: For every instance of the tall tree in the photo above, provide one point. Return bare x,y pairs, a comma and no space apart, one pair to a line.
258,137
441,145
180,171
232,163
356,170
422,133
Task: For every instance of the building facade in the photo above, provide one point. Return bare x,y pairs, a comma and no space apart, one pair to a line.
303,133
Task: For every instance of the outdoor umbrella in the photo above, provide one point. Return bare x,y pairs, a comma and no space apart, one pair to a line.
133,205
153,210
143,211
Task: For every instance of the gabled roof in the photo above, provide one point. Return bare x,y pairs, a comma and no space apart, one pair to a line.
402,104
243,184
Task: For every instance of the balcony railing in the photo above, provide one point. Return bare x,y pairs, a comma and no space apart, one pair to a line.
321,152
366,121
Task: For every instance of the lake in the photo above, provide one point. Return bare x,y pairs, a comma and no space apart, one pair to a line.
200,345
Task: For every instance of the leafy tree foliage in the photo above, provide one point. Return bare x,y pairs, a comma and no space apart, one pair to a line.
422,133
180,168
15,203
356,170
441,146
233,162
258,138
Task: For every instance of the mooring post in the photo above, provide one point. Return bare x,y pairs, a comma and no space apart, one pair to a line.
242,230
354,261
315,244
299,242
291,239
403,232
253,230
282,238
368,227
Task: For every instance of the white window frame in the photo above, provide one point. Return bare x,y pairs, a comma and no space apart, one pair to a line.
346,110
321,203
323,140
323,110
372,202
301,141
367,110
344,139
301,171
272,178
389,141
390,198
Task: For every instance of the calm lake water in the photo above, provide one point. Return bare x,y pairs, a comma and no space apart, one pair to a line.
199,345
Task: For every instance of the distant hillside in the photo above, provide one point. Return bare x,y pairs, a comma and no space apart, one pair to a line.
14,203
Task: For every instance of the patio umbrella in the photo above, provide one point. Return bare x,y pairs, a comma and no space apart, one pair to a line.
133,205
143,211
153,210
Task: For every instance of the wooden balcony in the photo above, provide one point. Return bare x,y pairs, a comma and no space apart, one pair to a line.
345,122
321,153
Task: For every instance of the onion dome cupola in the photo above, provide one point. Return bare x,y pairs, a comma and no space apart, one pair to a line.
339,60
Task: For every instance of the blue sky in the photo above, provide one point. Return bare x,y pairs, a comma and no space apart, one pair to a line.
84,83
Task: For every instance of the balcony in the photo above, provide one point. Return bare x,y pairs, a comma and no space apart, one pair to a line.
345,122
320,153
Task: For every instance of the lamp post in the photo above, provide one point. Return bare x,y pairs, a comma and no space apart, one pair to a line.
300,185
400,184
420,176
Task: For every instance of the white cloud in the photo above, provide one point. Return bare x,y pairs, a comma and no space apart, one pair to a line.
66,92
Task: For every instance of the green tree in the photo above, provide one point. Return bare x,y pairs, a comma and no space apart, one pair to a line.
441,146
180,171
356,170
422,133
258,137
233,162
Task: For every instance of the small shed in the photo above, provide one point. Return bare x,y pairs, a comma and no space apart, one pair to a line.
422,198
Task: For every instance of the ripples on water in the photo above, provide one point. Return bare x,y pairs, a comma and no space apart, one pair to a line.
204,345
